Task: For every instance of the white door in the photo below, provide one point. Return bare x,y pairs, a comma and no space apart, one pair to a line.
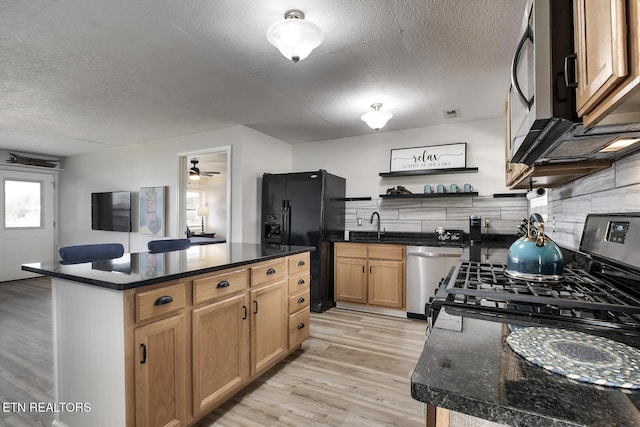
26,221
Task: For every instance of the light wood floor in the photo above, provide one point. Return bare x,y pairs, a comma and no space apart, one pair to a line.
26,354
354,370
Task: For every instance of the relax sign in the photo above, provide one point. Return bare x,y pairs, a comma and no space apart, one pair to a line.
429,157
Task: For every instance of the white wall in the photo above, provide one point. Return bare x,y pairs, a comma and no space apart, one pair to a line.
156,164
360,159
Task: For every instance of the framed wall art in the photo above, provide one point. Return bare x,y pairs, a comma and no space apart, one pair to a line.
447,156
152,212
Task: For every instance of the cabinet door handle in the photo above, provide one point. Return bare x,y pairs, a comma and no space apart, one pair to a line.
301,282
255,305
244,317
570,58
165,299
271,271
223,284
144,354
363,268
300,325
370,269
301,263
300,300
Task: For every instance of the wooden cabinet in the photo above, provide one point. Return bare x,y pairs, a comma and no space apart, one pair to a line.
160,373
190,345
371,274
384,287
299,300
269,325
607,42
351,279
220,337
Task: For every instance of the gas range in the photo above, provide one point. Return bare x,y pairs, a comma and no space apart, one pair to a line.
600,290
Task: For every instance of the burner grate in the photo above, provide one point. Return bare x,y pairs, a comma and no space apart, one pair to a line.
579,297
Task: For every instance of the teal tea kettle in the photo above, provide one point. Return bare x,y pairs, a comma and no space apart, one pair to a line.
534,256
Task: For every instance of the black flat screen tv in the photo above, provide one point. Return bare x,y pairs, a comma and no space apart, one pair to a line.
111,211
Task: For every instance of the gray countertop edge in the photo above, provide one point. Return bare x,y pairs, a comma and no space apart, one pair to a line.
481,409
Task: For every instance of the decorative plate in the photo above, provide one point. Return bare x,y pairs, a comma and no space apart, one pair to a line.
579,356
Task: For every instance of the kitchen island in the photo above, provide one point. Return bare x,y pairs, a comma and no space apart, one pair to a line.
475,372
163,339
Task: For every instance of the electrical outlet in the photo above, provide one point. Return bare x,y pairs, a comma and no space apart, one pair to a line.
487,222
360,222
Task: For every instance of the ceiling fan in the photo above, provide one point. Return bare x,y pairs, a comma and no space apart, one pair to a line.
195,173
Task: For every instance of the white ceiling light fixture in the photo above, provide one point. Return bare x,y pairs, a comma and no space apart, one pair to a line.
294,36
376,119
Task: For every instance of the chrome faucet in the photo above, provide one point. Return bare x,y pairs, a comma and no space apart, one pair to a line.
378,225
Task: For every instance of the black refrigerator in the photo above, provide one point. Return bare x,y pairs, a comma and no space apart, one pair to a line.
306,209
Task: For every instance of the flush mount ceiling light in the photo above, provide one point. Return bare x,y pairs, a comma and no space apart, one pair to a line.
294,36
376,119
194,172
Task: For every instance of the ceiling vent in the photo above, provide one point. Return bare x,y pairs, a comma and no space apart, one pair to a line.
451,114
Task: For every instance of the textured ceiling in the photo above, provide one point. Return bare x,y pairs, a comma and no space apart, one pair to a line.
79,75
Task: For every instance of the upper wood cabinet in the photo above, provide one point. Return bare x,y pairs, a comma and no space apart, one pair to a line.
607,41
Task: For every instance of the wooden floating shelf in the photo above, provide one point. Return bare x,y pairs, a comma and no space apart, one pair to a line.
509,195
427,195
356,199
428,172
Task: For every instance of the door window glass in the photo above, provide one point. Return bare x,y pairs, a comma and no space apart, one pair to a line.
22,204
195,199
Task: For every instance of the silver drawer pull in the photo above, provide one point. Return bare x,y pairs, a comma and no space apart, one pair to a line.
271,271
301,282
300,300
301,263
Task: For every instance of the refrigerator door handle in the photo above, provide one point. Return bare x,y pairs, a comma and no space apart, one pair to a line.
287,216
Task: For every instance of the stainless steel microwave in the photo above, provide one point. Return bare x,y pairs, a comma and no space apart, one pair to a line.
541,106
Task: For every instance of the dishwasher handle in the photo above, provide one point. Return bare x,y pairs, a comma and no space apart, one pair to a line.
433,254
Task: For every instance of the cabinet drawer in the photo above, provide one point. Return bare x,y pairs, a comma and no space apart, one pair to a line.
269,272
299,263
351,250
384,251
160,301
220,285
299,283
299,301
299,328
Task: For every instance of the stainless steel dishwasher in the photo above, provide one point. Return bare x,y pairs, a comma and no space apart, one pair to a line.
426,267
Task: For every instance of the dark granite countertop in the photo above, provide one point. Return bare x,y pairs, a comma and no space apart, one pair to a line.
475,372
144,268
423,239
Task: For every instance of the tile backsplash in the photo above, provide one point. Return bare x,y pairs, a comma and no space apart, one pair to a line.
425,215
616,189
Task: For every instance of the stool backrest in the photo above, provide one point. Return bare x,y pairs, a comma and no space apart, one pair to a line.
167,245
87,253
